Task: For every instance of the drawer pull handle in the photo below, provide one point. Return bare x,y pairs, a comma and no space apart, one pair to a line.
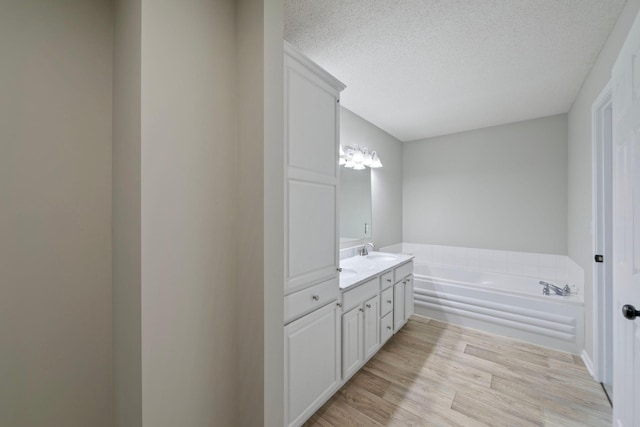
389,301
389,280
315,297
368,305
389,327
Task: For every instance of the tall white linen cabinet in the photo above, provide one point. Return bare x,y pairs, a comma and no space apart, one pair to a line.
312,327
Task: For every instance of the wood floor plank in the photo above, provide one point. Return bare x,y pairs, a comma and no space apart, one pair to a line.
428,401
496,412
553,396
431,373
499,343
379,409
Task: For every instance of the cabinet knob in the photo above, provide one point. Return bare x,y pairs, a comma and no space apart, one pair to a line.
339,269
389,301
368,305
361,309
389,280
389,327
339,304
316,297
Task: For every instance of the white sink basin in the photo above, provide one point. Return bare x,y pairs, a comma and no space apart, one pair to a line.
348,273
381,257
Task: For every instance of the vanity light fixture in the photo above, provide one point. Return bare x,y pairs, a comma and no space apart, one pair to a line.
356,157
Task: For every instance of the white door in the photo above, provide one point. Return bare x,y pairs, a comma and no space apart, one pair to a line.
408,297
312,134
312,362
371,326
352,346
626,225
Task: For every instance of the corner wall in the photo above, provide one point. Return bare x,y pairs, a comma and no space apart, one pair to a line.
580,245
386,182
260,228
503,187
55,213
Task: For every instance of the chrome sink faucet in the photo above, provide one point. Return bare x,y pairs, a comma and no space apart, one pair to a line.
364,251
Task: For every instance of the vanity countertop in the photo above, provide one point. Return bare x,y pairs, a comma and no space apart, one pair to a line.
358,269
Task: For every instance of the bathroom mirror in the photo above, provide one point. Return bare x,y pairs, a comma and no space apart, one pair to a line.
355,205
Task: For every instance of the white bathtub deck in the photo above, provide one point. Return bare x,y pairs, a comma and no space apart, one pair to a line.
435,374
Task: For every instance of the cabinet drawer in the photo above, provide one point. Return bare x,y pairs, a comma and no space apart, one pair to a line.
386,328
386,280
360,294
309,299
386,302
403,271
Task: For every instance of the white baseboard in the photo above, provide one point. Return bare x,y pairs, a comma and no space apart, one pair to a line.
588,363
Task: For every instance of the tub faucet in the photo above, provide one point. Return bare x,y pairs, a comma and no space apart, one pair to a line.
558,290
364,251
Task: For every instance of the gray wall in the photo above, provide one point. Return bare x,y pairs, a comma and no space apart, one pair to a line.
155,330
188,213
580,244
127,279
386,182
55,213
503,187
198,331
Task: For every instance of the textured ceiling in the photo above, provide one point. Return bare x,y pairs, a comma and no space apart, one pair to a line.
421,68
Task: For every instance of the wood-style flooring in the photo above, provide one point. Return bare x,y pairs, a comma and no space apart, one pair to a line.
436,374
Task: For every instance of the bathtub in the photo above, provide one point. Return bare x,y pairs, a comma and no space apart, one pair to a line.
504,304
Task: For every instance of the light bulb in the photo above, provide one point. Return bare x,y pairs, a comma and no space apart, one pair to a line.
367,158
358,157
375,161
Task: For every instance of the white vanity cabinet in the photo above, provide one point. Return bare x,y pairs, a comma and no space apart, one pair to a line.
352,347
371,334
402,295
408,297
360,326
360,335
312,361
386,306
402,302
313,350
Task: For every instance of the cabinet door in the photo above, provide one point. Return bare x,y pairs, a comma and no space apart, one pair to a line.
311,228
311,138
371,327
352,345
398,306
312,362
408,297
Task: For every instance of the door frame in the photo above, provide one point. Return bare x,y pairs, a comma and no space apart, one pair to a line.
602,135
